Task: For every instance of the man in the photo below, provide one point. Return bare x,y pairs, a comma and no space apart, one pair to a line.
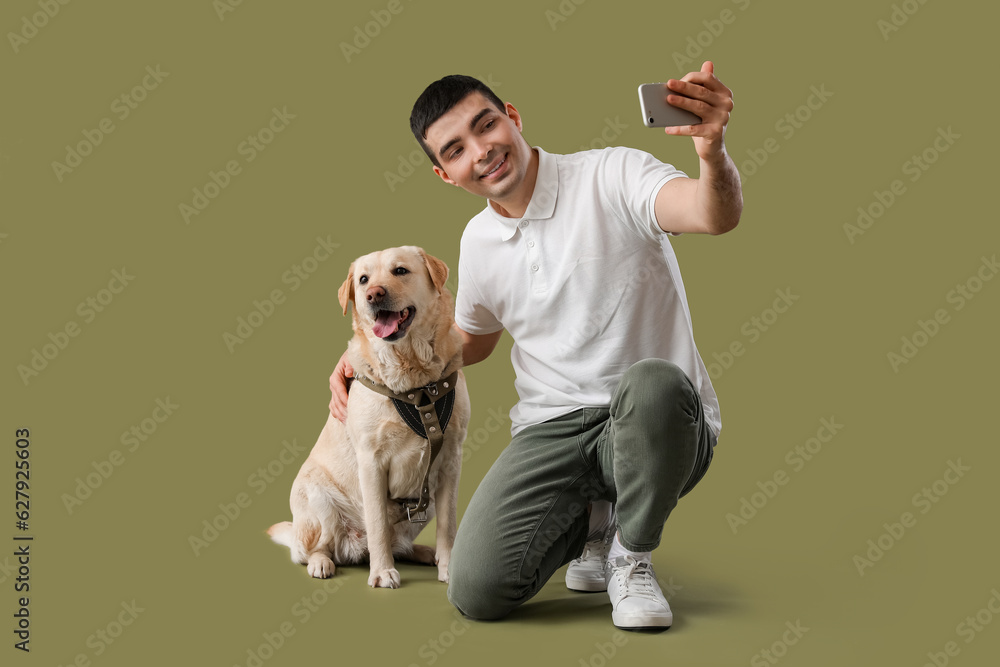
571,257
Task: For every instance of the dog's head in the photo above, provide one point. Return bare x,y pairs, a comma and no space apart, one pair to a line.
393,290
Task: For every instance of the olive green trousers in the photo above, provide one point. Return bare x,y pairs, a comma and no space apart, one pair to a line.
529,515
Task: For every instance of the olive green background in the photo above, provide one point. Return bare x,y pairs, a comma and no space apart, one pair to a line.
325,175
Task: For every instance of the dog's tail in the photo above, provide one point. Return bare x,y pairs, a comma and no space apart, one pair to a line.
282,533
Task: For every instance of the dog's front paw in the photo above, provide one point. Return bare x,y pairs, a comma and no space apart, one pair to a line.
424,554
443,573
384,578
320,566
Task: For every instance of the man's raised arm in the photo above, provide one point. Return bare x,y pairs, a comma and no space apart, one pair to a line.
712,203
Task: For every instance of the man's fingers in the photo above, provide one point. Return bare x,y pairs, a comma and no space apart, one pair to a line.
344,367
683,130
703,94
705,98
700,93
701,78
688,89
338,406
692,83
707,111
705,81
708,130
688,104
339,387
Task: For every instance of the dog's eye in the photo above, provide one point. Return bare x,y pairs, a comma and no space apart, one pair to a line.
401,271
363,279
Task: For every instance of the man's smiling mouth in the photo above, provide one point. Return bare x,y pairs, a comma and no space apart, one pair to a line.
494,169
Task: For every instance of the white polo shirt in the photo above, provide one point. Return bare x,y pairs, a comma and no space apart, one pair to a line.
586,283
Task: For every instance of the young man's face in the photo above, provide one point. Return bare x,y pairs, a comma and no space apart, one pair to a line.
480,148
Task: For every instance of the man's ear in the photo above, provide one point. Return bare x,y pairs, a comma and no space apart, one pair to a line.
444,175
437,269
515,116
346,291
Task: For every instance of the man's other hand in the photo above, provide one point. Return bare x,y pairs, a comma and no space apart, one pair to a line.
339,383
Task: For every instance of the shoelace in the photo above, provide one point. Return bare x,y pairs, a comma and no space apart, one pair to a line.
596,547
636,579
589,550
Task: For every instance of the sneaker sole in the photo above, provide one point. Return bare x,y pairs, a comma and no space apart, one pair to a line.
641,622
585,585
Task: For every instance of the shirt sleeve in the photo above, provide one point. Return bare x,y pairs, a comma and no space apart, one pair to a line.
472,314
630,181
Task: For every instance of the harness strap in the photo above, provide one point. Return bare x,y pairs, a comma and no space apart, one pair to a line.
433,403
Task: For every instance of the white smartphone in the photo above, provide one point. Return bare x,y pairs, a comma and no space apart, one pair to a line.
656,112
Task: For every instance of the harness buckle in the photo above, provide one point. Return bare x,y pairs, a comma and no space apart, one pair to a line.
416,517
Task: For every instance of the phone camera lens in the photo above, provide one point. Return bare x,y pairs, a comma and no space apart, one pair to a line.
650,119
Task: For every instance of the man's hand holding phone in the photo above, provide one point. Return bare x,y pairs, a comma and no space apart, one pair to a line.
704,95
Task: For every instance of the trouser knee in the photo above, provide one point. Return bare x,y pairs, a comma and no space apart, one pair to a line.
477,595
655,387
482,585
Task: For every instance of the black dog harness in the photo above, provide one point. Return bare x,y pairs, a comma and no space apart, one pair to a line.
427,411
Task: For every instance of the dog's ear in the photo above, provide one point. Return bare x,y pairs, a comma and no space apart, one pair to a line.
437,269
346,292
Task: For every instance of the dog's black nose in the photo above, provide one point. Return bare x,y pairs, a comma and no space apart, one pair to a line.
375,294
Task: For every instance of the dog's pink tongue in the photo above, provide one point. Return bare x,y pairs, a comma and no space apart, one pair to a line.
386,323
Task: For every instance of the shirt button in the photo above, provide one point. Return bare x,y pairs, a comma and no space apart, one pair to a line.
531,244
524,223
534,267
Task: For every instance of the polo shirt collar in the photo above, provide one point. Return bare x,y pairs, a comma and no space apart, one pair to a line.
543,197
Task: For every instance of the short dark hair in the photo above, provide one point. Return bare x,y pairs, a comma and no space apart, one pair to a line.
438,99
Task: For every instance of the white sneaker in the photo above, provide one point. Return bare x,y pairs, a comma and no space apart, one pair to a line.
586,573
636,599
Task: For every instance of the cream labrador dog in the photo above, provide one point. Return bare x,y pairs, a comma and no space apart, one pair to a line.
365,479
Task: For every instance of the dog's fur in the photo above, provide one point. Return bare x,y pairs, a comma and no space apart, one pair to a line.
341,509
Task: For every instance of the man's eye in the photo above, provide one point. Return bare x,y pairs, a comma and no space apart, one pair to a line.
454,153
401,271
488,125
363,279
